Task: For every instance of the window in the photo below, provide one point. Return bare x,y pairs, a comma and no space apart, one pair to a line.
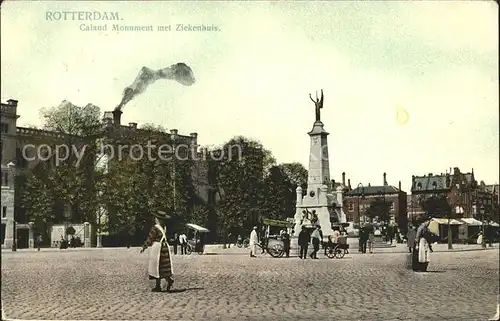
5,179
419,186
351,207
4,128
4,211
392,206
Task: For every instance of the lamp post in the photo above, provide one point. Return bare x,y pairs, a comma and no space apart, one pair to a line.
360,249
483,240
359,195
12,169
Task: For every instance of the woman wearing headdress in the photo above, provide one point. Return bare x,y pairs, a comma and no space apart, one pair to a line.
160,263
422,247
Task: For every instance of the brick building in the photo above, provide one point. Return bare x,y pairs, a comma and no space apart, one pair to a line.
358,200
455,190
487,202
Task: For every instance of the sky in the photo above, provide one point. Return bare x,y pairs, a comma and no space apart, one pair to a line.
410,88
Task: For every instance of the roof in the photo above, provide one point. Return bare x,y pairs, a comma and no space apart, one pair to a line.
445,221
374,190
438,182
197,228
426,183
471,221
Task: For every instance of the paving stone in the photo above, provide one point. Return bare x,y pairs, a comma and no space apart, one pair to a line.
113,284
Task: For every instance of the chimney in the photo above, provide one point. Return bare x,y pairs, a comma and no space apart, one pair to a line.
430,174
385,179
12,102
399,185
117,115
349,183
132,125
369,184
343,178
194,138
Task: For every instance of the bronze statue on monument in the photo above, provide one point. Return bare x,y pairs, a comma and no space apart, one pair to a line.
318,103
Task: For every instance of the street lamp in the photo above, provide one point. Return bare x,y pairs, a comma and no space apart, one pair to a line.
360,249
483,240
11,167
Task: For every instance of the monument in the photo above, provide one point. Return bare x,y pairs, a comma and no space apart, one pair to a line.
318,205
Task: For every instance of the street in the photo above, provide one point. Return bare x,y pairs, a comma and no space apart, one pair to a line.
112,284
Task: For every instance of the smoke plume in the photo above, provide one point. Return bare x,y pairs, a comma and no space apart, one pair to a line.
179,72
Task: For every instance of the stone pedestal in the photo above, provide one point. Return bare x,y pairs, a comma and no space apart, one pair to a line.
318,198
87,241
31,237
99,240
9,234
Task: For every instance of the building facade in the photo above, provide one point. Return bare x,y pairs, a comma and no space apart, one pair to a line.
14,138
452,194
358,200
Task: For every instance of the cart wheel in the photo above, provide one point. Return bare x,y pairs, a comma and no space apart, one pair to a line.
200,252
239,245
276,250
189,250
330,253
339,253
246,243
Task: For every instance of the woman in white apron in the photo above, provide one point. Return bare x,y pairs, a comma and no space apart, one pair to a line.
423,248
160,264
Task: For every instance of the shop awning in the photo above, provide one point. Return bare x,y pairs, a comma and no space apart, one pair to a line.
472,221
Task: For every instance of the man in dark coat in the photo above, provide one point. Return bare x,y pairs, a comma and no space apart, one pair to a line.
286,243
303,241
412,232
363,238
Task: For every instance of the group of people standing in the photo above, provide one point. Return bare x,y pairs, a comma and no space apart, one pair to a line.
264,240
366,237
180,240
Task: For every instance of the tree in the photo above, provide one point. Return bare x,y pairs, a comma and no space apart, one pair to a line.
436,206
48,187
296,174
241,168
280,189
380,208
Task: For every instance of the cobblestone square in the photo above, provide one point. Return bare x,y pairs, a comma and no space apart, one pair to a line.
112,284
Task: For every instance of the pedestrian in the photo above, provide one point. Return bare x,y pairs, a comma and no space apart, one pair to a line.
160,263
411,238
229,238
371,240
422,248
183,243
316,239
363,238
263,240
254,240
175,243
286,243
303,241
329,245
479,240
39,241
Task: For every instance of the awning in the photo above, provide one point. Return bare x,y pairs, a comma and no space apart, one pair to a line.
197,228
445,221
472,221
